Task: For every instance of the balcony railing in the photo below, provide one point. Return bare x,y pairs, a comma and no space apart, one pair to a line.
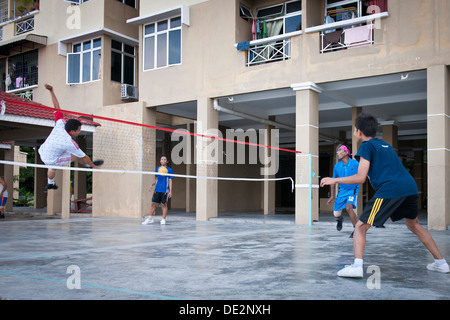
25,26
271,49
349,33
269,52
346,38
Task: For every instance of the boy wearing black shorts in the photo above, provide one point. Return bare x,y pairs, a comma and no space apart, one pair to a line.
395,196
163,190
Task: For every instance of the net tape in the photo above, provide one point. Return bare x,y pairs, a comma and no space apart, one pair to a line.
183,132
91,116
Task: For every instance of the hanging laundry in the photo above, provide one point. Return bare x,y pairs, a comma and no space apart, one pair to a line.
243,45
264,35
258,30
358,36
254,29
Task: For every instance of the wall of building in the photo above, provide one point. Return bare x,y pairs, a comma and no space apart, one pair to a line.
411,38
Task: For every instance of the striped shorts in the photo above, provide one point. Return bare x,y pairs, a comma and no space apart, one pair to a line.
378,210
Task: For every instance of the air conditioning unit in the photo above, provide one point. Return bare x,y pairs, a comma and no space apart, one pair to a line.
129,92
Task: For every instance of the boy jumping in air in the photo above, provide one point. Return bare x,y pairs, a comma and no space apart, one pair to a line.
59,149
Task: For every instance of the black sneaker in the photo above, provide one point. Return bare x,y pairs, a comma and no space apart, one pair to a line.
51,186
2,216
98,162
351,236
339,223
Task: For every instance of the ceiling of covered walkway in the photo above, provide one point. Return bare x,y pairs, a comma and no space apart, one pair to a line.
396,98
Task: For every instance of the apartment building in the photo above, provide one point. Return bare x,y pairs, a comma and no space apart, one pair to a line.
85,49
302,70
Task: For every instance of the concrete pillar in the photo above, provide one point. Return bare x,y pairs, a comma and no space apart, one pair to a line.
8,173
390,133
268,186
54,203
191,171
130,148
149,160
79,177
18,157
40,181
438,132
307,142
418,175
208,153
66,195
356,111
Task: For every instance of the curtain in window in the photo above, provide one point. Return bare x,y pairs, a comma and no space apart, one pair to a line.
96,65
273,29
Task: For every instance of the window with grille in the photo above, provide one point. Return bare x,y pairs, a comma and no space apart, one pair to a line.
22,70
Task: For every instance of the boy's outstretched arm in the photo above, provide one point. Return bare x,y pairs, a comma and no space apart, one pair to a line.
54,100
358,178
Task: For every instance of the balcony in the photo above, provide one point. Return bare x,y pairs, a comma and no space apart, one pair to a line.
24,26
350,33
18,31
270,28
267,50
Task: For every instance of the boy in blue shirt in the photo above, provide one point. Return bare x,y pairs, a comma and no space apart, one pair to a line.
395,195
347,197
163,190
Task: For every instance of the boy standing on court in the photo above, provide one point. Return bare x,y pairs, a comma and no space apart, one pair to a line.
163,190
347,197
395,195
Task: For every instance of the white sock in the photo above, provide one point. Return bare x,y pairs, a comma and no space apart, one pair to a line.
358,263
50,181
440,261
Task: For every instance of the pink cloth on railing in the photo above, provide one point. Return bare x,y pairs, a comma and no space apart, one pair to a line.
254,29
362,35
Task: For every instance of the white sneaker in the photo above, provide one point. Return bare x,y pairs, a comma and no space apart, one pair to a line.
148,220
442,267
351,272
163,221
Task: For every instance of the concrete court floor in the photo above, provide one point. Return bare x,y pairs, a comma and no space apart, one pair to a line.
233,257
